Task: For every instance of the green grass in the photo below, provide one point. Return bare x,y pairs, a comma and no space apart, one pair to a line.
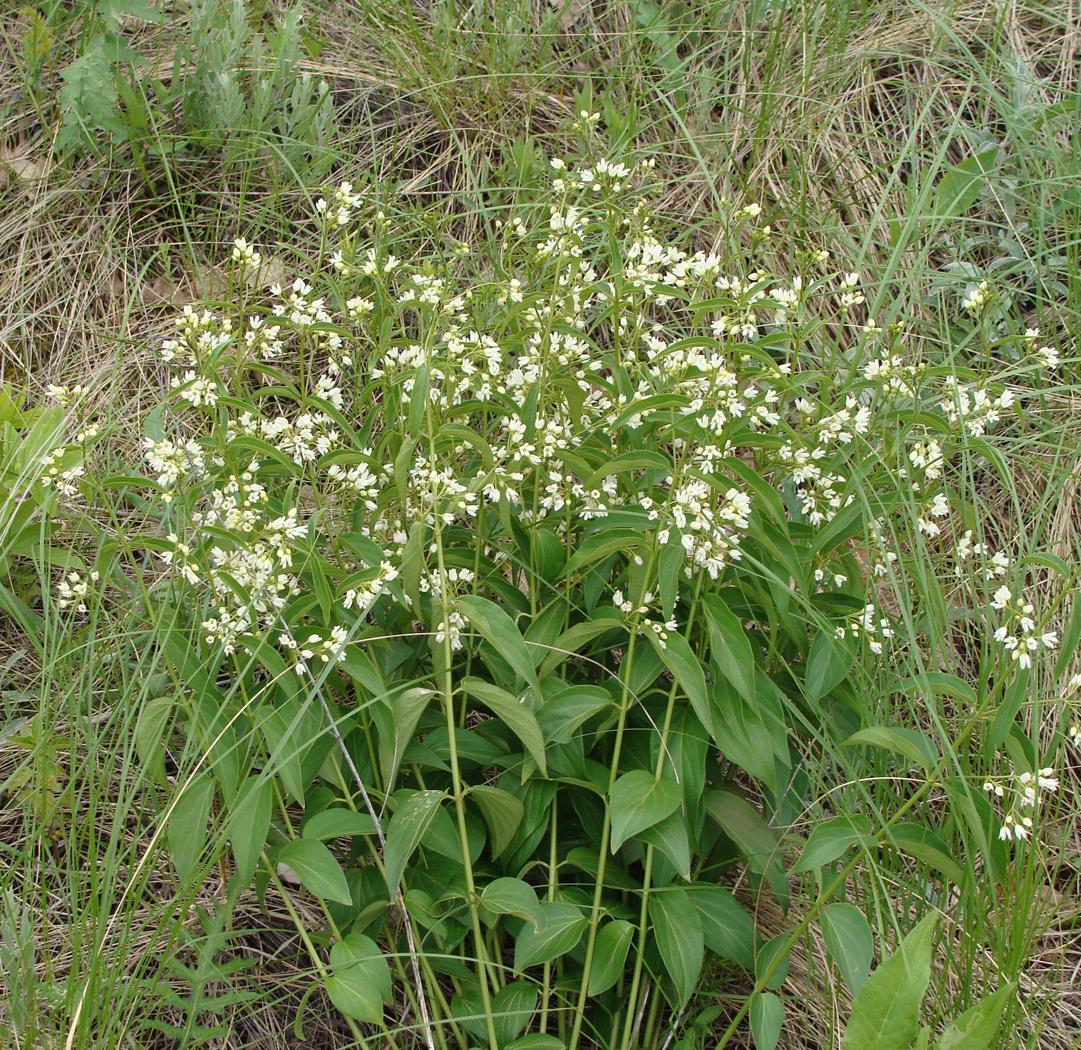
855,125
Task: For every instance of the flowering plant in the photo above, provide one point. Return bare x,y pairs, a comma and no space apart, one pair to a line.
505,594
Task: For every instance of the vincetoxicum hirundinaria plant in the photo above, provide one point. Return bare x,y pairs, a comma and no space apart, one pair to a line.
505,591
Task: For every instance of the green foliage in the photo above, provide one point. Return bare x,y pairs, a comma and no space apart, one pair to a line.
471,809
885,1011
505,628
233,90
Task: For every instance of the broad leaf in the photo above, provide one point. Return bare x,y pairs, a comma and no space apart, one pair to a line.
908,742
187,831
499,630
886,1012
518,718
404,832
314,865
338,823
977,1027
502,812
828,841
359,979
730,647
756,840
249,822
610,955
849,942
727,929
507,896
680,659
677,929
766,1016
559,930
638,802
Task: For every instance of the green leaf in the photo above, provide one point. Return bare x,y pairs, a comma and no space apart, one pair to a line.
502,813
418,402
925,846
573,638
337,823
249,822
406,707
757,841
499,630
679,658
537,1042
730,647
638,802
559,930
908,742
513,714
960,186
670,837
828,841
187,833
314,865
150,735
599,546
937,683
512,1007
678,933
766,1017
849,942
404,832
886,1012
771,962
610,955
569,709
977,1027
507,896
359,980
829,660
726,928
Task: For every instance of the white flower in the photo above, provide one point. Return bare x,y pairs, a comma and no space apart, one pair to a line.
245,256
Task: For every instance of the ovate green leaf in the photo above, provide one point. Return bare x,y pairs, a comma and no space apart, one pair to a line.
518,718
977,1027
849,942
187,831
407,827
359,980
638,802
610,955
677,929
885,1013
559,929
314,865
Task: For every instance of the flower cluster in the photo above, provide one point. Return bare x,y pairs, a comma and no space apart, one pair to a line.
1021,793
73,589
1019,634
383,435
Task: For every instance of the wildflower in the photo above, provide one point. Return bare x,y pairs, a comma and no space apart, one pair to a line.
1019,634
73,590
65,395
976,297
850,294
245,256
1022,792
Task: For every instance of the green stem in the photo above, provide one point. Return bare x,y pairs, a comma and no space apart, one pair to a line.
606,831
459,799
